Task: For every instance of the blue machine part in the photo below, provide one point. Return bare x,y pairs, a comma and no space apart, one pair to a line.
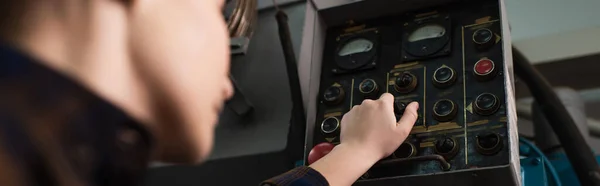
536,168
540,170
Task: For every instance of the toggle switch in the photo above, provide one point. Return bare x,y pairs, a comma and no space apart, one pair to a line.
406,82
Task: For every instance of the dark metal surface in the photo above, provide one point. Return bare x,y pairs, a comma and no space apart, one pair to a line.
462,53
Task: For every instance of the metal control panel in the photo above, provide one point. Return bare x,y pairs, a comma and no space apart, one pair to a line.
451,59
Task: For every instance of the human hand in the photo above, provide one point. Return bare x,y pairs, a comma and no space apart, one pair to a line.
371,128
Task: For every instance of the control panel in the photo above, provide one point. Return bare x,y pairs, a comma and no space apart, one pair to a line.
450,59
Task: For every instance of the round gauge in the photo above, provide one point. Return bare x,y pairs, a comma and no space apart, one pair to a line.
426,40
354,53
427,32
356,46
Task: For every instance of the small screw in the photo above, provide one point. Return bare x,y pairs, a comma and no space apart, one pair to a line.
334,70
373,63
424,48
405,57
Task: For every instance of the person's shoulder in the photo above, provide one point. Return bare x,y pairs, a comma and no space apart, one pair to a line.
49,121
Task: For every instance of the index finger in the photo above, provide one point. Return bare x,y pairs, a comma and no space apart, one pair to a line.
409,118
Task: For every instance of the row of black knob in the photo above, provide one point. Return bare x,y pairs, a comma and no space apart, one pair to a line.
486,144
445,110
407,82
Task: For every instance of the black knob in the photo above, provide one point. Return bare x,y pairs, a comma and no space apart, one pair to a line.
406,150
444,110
447,147
334,95
406,82
486,104
488,143
399,107
369,88
444,77
484,38
330,125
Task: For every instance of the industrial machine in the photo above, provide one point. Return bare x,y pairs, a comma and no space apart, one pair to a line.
454,58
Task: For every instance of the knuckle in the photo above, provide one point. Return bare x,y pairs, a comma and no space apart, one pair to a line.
368,102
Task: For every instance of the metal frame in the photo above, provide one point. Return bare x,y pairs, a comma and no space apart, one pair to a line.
321,14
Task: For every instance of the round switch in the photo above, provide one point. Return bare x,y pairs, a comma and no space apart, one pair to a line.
444,110
399,107
484,69
330,124
488,143
406,82
447,147
444,77
406,150
334,95
368,87
486,104
483,38
319,151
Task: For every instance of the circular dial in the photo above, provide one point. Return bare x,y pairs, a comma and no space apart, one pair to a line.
444,77
334,95
447,147
405,83
486,104
444,110
330,125
406,150
368,87
488,143
356,46
427,32
483,38
355,53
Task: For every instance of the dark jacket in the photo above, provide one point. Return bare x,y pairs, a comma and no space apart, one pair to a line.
54,131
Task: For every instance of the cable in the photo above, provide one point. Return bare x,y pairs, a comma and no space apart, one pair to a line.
295,147
576,148
547,162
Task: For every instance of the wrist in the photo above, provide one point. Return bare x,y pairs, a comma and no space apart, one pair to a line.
366,155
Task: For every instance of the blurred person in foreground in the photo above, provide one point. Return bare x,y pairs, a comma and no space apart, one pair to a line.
93,90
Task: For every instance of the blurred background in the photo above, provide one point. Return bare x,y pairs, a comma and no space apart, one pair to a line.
559,37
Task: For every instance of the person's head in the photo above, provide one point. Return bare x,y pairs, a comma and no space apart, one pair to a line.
165,62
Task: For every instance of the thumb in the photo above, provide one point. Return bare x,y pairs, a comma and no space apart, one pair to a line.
408,119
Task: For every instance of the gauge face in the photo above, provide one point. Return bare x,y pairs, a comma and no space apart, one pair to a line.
356,46
356,52
427,32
